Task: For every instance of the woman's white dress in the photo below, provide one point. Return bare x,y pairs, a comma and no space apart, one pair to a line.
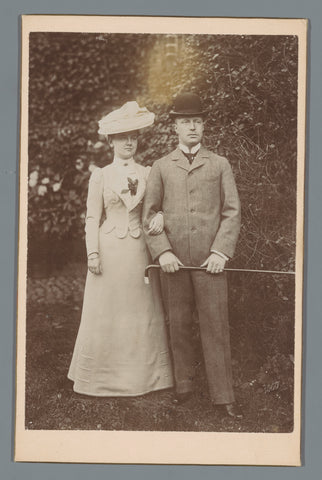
121,347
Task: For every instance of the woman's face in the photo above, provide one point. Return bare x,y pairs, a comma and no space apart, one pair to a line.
125,144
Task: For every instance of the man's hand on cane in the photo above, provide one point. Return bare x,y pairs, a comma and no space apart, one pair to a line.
214,263
169,262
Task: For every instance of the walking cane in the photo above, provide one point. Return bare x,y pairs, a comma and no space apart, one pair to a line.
274,272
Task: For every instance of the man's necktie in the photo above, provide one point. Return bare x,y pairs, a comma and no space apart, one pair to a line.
190,156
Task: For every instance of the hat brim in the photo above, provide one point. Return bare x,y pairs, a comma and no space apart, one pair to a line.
125,125
187,114
123,130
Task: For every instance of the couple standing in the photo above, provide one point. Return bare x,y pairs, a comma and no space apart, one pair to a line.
191,217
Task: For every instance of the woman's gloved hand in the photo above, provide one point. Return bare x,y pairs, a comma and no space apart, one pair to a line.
156,225
94,263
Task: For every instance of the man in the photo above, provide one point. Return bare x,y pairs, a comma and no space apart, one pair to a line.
196,191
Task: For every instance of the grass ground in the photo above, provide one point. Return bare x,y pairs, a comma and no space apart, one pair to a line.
53,314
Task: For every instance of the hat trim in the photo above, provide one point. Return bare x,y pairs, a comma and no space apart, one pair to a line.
128,118
187,114
130,127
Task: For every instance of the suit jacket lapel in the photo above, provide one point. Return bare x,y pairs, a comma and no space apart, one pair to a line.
115,180
182,161
199,159
135,200
118,183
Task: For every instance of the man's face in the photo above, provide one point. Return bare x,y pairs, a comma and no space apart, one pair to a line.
189,130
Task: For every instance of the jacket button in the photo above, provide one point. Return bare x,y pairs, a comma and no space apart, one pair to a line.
192,210
193,229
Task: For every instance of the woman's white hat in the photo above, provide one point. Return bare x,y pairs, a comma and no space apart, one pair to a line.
126,119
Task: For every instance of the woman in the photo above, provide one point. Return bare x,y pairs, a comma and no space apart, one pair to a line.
121,347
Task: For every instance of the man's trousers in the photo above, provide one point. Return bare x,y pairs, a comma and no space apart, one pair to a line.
185,291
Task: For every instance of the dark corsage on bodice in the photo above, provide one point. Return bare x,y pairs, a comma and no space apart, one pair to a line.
127,180
132,186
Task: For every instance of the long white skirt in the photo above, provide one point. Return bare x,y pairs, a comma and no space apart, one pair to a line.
121,347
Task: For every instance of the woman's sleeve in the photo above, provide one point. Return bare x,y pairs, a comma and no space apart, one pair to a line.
147,171
94,210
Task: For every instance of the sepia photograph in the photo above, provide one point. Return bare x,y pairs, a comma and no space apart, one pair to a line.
161,240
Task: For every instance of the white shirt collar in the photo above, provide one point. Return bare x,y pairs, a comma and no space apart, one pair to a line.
126,167
120,162
193,150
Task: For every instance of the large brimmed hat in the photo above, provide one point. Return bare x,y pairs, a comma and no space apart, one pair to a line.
128,118
187,104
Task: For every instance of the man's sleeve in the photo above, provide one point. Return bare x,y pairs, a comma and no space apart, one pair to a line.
153,199
227,235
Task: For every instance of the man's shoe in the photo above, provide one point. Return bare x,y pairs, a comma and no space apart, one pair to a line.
181,398
231,410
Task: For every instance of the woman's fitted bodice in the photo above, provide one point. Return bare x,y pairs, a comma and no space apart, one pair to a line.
118,218
108,191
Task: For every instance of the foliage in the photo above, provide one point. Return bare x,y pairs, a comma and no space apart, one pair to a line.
249,86
248,83
74,80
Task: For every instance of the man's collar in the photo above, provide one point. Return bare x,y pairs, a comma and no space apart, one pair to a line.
193,150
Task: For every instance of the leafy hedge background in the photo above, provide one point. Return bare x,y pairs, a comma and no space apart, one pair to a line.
249,86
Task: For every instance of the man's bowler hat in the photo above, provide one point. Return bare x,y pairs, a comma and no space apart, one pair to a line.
186,105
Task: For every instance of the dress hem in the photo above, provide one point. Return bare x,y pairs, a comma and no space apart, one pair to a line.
118,394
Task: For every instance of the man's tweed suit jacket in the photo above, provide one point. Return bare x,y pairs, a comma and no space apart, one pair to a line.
200,204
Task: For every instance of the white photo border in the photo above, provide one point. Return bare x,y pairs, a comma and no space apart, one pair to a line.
194,448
